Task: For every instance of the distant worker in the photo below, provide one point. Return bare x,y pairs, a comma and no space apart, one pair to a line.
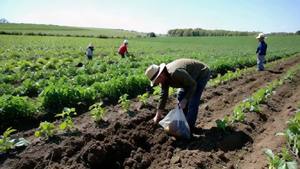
89,51
190,76
261,51
123,49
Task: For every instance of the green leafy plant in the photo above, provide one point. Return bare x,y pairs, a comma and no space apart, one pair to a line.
216,81
68,123
238,114
284,160
46,130
292,133
220,79
289,75
30,88
172,91
16,107
143,98
6,143
97,112
223,124
59,95
156,91
281,161
260,95
286,155
124,102
252,103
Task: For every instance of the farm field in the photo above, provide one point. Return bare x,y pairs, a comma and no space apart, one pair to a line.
55,30
40,77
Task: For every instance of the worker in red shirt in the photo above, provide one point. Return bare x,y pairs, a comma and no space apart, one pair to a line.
123,49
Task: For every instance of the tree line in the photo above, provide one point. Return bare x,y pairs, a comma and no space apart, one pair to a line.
204,32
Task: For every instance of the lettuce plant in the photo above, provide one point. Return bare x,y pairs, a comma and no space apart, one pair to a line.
143,98
46,130
67,123
6,143
281,161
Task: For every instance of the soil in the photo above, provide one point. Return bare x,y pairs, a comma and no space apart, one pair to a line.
131,139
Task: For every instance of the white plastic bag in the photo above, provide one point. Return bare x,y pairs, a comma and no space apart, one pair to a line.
175,124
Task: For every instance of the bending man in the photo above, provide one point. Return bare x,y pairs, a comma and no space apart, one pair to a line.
190,76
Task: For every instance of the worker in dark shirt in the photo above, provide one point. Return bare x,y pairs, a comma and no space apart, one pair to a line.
89,51
261,51
190,76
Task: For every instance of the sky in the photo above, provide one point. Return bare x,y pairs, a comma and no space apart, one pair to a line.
158,16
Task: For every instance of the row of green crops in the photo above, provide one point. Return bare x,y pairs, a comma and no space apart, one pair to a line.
252,103
43,70
284,159
232,75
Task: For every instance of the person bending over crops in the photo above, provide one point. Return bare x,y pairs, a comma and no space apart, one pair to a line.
261,51
190,76
123,49
89,51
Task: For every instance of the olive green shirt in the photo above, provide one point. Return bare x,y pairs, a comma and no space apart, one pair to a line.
184,73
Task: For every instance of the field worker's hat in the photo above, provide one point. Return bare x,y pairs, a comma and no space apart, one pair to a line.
90,44
261,36
154,71
125,41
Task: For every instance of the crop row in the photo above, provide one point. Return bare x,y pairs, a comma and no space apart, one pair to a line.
252,103
284,159
232,75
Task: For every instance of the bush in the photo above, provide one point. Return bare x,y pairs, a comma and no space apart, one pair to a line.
30,88
113,89
58,96
6,89
151,35
16,107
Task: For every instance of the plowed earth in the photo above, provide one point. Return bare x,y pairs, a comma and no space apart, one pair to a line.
131,140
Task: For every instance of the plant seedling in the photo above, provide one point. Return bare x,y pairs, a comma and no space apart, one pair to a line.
143,98
238,114
292,133
223,124
97,112
156,92
124,102
45,130
68,123
6,143
280,162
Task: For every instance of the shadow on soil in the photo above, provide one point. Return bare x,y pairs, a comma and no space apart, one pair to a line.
215,139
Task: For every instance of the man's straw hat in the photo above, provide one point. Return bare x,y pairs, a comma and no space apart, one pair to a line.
261,36
154,71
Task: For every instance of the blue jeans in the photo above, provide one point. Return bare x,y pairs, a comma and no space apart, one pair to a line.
90,57
260,62
191,110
